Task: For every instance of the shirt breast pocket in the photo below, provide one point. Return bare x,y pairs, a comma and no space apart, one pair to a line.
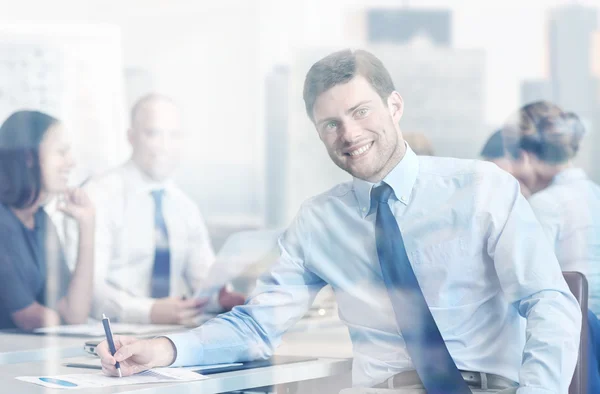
448,271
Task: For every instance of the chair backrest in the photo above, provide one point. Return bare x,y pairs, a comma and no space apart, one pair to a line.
579,287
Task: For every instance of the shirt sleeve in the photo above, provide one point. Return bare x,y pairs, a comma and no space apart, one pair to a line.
200,257
254,330
15,292
531,279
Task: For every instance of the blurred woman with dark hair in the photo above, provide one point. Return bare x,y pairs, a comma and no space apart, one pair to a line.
36,286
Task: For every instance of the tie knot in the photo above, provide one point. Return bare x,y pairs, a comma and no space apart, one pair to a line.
158,196
382,193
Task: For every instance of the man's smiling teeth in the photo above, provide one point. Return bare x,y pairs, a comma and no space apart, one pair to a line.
361,150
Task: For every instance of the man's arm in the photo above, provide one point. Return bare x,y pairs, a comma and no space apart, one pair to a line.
531,278
247,332
252,331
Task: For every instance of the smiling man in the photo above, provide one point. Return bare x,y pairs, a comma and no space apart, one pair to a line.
434,262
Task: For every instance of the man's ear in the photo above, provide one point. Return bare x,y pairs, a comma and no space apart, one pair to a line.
395,104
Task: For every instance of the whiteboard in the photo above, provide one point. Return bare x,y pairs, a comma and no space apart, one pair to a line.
75,73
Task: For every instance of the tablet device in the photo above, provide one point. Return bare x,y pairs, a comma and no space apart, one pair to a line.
275,360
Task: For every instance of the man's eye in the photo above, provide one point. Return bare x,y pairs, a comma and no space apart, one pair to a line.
361,113
331,125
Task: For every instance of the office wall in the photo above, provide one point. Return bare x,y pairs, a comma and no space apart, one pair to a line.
205,55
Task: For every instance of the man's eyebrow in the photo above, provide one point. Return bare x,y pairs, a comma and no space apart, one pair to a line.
348,111
352,109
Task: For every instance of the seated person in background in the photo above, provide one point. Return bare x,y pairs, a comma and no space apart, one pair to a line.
152,246
441,272
494,151
419,143
36,286
544,140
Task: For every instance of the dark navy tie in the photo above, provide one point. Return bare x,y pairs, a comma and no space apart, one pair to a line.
161,270
424,343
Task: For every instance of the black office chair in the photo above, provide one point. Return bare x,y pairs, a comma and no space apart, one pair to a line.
579,287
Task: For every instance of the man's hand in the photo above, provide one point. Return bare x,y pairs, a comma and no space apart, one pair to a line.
228,299
136,355
174,310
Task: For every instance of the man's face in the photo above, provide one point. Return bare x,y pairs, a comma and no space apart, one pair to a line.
360,132
156,138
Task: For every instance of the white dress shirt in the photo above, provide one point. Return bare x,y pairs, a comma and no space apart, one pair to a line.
486,269
125,243
569,211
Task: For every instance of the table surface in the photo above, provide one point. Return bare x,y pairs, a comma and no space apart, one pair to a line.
330,344
20,347
218,383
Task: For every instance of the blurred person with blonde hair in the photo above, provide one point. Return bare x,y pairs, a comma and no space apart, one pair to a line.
419,143
543,142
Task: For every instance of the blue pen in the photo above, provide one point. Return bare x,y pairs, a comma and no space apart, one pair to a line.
109,339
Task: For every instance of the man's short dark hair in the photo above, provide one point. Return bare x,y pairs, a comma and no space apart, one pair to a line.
20,173
341,67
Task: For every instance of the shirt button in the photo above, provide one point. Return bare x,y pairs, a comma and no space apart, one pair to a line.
403,199
364,209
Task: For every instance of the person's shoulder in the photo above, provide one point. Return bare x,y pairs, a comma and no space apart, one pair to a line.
6,222
557,197
5,214
467,169
107,183
9,227
183,200
334,194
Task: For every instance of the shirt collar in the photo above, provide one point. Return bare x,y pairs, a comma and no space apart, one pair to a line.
138,181
569,175
402,178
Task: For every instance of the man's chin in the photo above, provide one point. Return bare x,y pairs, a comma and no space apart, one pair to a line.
359,173
159,175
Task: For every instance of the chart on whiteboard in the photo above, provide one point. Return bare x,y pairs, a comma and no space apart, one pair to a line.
72,72
31,76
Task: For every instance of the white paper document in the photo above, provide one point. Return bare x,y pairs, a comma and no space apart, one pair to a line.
81,381
96,329
240,250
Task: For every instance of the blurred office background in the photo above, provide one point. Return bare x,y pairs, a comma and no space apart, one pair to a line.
236,69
